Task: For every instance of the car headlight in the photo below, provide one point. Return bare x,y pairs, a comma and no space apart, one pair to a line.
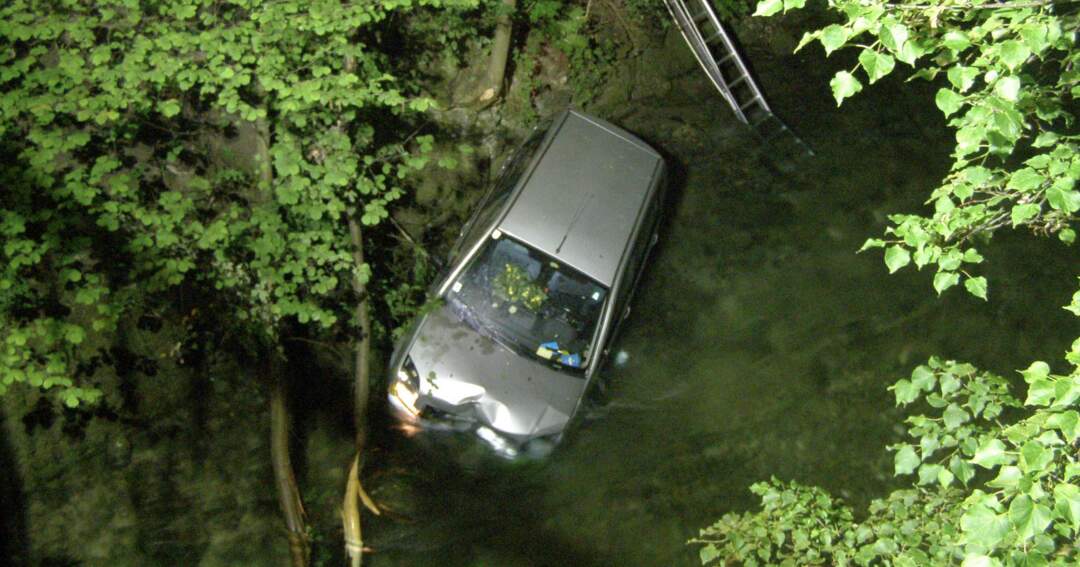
406,388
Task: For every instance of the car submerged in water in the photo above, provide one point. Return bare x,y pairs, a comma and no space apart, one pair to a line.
535,289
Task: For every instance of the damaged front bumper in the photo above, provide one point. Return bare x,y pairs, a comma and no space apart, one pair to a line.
415,419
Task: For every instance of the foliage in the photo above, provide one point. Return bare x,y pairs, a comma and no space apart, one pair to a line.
994,479
117,196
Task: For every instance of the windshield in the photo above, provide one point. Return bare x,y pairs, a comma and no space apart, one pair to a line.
529,302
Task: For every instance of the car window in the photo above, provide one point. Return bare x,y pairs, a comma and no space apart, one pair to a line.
529,302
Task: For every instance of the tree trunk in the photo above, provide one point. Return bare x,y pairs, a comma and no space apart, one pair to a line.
354,491
284,479
500,53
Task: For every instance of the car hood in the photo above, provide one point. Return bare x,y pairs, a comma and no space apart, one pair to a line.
469,374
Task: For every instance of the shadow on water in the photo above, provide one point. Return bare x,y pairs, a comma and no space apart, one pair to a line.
14,530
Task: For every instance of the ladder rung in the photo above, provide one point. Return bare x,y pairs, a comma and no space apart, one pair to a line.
714,36
700,16
737,80
725,59
750,102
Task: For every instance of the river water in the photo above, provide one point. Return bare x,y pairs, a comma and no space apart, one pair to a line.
759,344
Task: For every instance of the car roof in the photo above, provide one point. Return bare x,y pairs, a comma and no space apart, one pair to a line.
581,201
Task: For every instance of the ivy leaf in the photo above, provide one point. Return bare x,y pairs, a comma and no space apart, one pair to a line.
844,85
1037,370
896,257
1040,393
983,527
977,560
948,101
1067,504
990,454
1027,517
1008,477
1067,423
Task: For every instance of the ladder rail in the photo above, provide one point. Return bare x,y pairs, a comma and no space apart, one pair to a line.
682,11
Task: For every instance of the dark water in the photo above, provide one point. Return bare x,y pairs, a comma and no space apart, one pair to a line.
759,344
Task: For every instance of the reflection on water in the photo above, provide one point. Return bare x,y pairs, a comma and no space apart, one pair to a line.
759,342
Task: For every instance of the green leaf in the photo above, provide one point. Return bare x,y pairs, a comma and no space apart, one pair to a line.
923,378
1068,236
1067,504
955,40
894,36
833,37
1068,423
708,553
945,280
1013,53
976,286
1040,393
1028,517
948,101
896,257
1008,477
962,78
962,469
991,452
876,64
74,334
1037,370
768,7
1008,88
1026,179
906,460
905,392
1021,213
977,560
954,416
169,108
1062,199
983,527
844,85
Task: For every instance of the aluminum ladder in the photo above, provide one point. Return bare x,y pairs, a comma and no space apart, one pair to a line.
718,56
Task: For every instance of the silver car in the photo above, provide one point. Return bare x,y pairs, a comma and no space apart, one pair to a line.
536,287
